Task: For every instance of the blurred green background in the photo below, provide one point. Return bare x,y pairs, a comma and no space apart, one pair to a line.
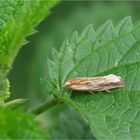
30,67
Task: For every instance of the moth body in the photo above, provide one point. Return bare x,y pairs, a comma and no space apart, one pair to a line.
103,83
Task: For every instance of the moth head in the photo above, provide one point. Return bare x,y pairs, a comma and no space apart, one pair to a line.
67,84
72,82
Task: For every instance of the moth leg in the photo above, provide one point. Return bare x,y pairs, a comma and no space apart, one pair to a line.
92,92
107,90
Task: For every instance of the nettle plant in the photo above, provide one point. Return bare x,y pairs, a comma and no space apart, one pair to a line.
106,50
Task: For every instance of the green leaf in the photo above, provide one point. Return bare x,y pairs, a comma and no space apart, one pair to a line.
14,103
108,50
18,125
17,20
63,122
64,28
4,90
68,124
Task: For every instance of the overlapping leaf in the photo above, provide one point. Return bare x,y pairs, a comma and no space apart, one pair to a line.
17,19
107,50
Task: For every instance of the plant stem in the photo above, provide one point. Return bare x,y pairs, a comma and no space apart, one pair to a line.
45,106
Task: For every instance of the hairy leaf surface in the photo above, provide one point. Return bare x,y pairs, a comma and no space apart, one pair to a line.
108,50
17,20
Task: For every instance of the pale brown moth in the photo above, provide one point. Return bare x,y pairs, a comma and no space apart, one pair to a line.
93,84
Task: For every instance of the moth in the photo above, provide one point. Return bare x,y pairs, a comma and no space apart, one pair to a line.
94,84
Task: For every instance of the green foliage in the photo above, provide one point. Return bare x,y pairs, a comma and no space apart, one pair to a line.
109,49
67,22
77,15
17,125
63,122
14,103
17,20
5,94
68,124
4,91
